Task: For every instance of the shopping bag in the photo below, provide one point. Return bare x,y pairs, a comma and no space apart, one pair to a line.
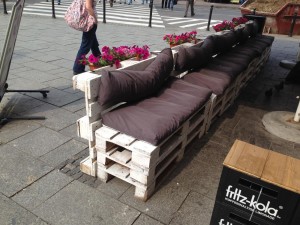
78,17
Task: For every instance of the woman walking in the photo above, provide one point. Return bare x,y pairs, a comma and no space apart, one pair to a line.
189,2
89,39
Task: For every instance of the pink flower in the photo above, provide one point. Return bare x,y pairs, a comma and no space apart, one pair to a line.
93,59
181,38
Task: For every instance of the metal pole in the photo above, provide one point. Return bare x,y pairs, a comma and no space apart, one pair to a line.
293,24
104,10
4,6
297,114
151,8
53,10
209,18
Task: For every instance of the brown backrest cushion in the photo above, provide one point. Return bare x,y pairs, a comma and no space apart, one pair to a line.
212,40
194,57
239,34
222,42
228,39
208,45
252,28
130,86
245,36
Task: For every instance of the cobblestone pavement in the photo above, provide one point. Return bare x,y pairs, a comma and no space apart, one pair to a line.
40,181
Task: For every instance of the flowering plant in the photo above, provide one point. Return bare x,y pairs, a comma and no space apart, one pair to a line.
122,53
230,25
140,52
225,25
239,20
114,55
91,60
174,39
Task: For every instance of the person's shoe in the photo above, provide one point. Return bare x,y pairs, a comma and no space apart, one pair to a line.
76,73
193,14
184,16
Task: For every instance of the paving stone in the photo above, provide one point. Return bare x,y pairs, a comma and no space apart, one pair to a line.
71,90
13,214
59,98
114,188
60,83
75,106
16,128
162,205
59,71
65,63
56,118
41,66
36,75
17,71
196,209
25,84
211,152
63,152
199,176
18,103
78,204
40,141
42,189
81,112
18,170
146,220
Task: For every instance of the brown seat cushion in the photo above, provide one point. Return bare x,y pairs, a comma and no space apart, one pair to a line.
245,50
230,68
232,61
237,57
264,38
245,55
213,73
130,86
258,43
257,47
156,118
216,82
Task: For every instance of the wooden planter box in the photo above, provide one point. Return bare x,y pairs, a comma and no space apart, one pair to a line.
279,22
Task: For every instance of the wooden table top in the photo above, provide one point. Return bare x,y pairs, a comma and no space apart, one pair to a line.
269,166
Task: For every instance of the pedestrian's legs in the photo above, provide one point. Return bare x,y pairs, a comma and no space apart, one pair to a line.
88,40
168,4
162,3
192,7
58,2
171,4
186,7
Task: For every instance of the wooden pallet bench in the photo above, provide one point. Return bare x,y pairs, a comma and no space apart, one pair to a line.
116,154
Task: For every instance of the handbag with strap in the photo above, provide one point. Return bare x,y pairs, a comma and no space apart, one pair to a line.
78,17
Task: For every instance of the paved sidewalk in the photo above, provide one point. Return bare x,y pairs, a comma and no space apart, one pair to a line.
40,182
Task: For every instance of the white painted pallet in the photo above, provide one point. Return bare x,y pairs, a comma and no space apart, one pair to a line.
113,154
141,161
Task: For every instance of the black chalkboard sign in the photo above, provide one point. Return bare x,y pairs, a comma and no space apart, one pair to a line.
9,44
